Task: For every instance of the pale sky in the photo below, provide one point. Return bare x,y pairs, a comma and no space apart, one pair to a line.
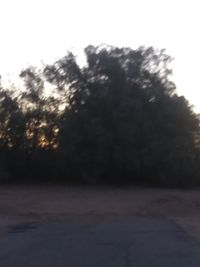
35,30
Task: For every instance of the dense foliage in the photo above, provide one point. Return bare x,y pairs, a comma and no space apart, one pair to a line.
116,120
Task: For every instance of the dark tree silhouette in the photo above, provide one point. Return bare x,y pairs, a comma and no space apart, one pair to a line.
123,121
117,120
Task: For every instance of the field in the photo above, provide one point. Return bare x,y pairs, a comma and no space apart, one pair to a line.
40,203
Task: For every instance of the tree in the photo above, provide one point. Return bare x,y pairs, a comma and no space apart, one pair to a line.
123,121
41,120
116,120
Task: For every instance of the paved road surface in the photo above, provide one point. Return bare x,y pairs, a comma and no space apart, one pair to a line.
127,242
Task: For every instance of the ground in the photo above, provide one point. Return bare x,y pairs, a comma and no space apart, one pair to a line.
20,204
89,241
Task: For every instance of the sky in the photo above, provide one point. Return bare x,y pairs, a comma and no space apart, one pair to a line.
35,31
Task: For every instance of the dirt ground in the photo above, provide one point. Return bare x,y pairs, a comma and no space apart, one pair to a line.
38,203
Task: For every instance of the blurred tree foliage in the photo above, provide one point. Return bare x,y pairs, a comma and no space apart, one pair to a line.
117,120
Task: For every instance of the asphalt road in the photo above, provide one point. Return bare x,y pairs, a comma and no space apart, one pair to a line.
119,242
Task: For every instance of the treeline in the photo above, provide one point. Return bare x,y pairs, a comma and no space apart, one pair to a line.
116,120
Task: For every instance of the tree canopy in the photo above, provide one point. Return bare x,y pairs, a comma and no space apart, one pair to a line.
116,120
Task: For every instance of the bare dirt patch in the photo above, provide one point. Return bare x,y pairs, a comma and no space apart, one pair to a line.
38,203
